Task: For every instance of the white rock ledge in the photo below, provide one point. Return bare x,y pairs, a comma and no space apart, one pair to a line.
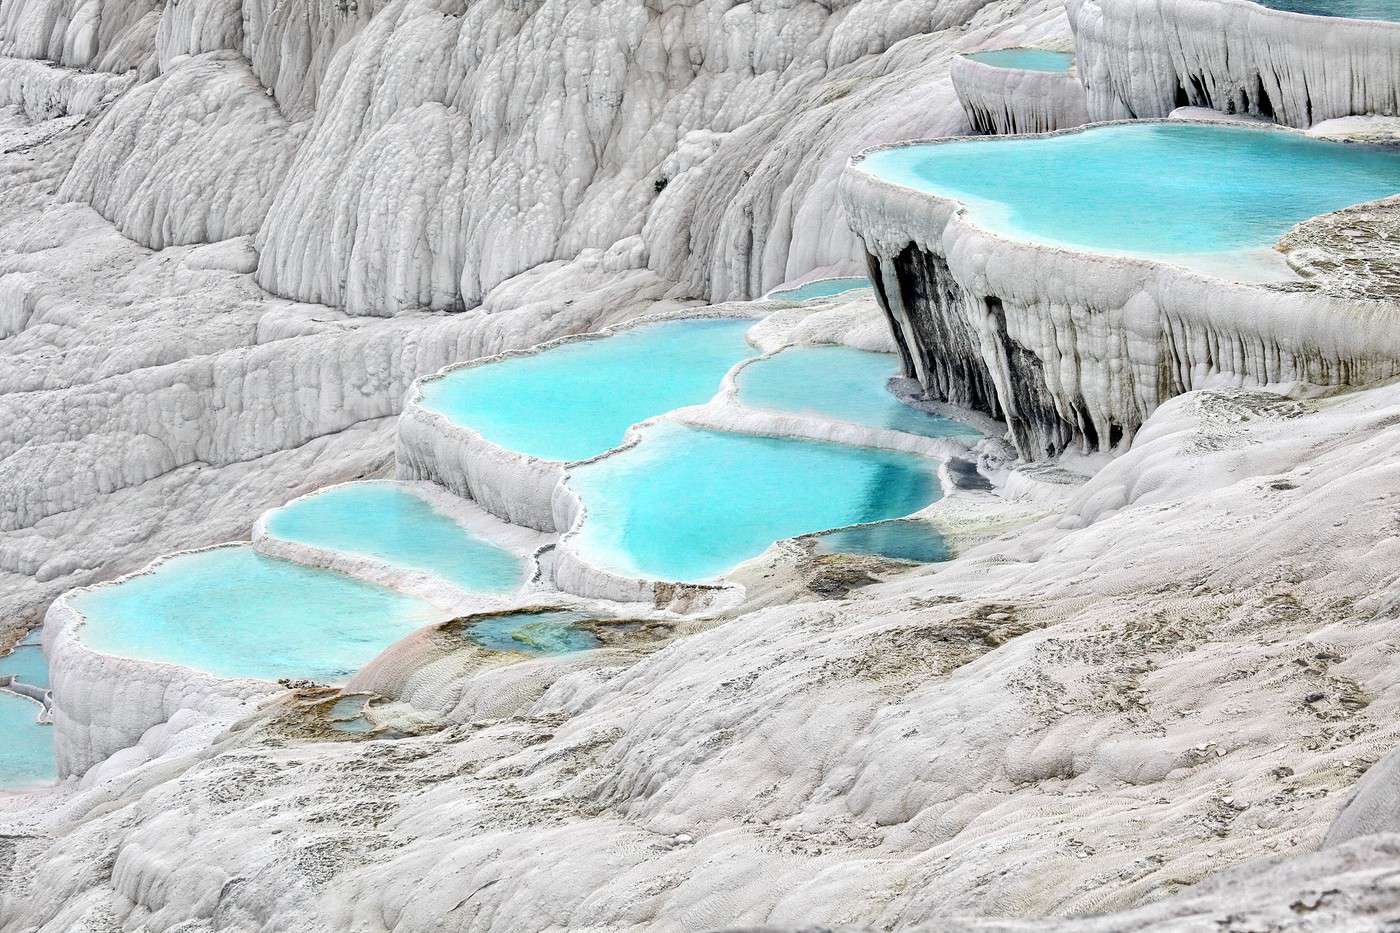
1077,348
104,703
1001,100
1145,58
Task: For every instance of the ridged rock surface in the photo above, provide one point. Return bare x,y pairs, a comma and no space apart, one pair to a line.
1144,58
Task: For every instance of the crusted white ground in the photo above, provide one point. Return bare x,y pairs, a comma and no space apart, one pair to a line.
1187,669
383,158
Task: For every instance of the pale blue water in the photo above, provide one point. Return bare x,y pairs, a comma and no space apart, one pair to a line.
347,714
533,633
27,662
394,525
1152,189
1355,9
578,400
840,383
26,746
822,288
687,504
236,613
911,540
1025,59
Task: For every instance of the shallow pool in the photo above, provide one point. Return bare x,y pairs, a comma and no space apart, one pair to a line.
27,662
1355,9
577,400
689,504
1025,59
840,383
910,540
1148,189
236,613
821,288
26,746
555,632
390,523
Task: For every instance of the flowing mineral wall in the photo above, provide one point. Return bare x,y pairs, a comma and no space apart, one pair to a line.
1003,101
1144,58
1078,349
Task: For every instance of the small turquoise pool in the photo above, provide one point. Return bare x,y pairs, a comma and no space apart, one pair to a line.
1025,59
910,540
555,632
840,383
236,613
26,746
688,504
577,400
1354,9
822,288
1148,189
27,662
388,522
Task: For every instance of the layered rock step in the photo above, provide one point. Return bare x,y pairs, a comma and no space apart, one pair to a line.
1071,283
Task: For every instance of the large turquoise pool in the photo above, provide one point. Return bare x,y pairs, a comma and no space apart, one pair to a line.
236,613
840,383
556,632
689,504
1025,59
387,522
1355,9
821,288
26,746
577,400
1156,189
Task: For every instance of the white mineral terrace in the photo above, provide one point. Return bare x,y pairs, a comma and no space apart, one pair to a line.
1076,346
1144,58
1005,99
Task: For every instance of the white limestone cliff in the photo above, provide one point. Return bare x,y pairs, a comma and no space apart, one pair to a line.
1076,348
1144,58
1002,100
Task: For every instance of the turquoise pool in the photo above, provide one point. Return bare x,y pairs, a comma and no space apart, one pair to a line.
910,540
27,662
1025,59
577,400
534,632
387,522
822,288
689,504
840,383
1156,189
236,613
1354,9
26,746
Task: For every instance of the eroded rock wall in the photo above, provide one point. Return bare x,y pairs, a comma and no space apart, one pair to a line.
1078,349
1144,58
1002,101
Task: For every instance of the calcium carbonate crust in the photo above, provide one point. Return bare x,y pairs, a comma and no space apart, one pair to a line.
1001,100
1144,58
1077,348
